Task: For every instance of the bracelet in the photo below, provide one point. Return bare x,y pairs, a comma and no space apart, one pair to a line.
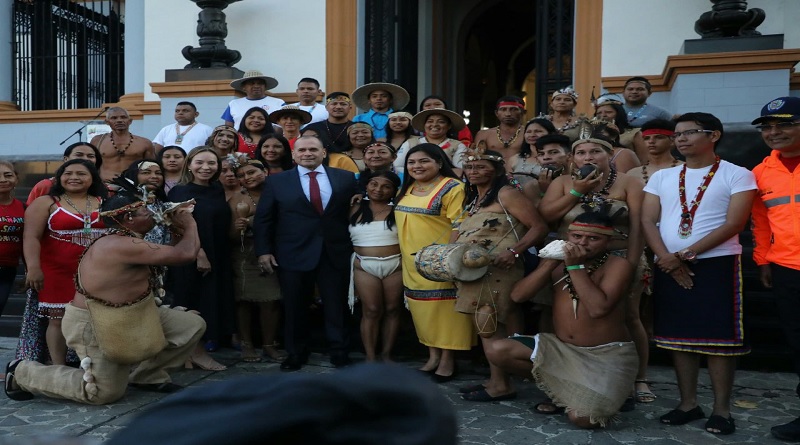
576,267
516,254
576,193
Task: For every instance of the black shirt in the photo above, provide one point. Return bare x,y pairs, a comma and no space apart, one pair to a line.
333,136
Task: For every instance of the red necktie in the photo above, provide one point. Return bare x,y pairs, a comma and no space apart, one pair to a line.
313,192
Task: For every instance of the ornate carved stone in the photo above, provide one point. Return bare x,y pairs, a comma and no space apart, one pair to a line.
212,30
729,18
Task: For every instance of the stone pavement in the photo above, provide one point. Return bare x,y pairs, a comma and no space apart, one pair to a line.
761,400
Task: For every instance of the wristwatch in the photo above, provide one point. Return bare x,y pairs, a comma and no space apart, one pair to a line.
687,255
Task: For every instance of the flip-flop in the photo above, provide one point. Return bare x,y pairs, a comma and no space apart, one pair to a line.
722,425
166,387
538,408
473,388
678,417
17,393
483,396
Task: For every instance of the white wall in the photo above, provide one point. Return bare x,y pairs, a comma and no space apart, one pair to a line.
282,39
638,35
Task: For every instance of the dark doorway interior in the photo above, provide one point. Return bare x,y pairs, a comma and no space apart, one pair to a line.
519,47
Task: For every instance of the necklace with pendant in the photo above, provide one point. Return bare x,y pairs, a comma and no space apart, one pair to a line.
179,136
687,213
86,217
508,143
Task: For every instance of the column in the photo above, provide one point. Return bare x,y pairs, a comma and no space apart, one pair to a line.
134,46
6,64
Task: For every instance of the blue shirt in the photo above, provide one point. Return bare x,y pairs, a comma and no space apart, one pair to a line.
378,121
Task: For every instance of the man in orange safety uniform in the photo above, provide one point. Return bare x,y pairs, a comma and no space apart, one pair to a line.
776,224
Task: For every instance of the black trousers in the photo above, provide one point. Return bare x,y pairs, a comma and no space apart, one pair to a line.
786,288
297,290
7,276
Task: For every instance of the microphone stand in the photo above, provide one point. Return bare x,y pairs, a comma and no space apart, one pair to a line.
79,131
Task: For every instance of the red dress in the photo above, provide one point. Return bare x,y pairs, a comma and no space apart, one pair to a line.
61,248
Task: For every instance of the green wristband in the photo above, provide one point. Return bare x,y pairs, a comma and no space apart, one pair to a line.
576,193
576,267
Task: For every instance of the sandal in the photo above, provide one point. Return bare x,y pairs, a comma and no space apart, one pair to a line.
539,408
722,425
13,391
249,353
678,417
646,395
202,360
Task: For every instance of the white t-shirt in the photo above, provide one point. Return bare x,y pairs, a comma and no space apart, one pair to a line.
193,138
728,180
318,112
238,107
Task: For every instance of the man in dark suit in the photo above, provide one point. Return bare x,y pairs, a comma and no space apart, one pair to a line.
301,231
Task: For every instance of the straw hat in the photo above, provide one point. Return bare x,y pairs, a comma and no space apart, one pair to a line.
305,116
456,121
400,97
254,74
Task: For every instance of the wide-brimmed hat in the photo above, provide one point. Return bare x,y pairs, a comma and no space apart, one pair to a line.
782,108
305,116
400,97
456,121
251,75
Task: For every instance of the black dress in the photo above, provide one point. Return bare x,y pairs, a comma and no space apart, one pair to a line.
211,295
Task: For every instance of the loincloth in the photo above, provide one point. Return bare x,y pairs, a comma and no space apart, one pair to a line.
129,333
591,381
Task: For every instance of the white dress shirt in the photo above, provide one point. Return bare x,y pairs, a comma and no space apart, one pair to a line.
325,189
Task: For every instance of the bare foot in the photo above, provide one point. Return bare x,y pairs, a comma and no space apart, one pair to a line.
271,352
202,360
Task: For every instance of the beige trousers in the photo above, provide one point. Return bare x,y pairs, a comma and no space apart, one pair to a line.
181,329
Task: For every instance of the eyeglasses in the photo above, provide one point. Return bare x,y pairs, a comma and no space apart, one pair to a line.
688,133
780,126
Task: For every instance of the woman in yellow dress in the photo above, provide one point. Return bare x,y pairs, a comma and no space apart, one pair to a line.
428,211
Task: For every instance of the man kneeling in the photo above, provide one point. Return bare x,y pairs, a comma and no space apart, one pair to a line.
588,365
113,321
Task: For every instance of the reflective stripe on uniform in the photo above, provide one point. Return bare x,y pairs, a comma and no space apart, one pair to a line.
777,201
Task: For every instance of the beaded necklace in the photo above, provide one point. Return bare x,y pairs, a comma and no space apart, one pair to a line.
506,144
596,264
121,152
594,199
687,213
86,217
646,176
476,204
